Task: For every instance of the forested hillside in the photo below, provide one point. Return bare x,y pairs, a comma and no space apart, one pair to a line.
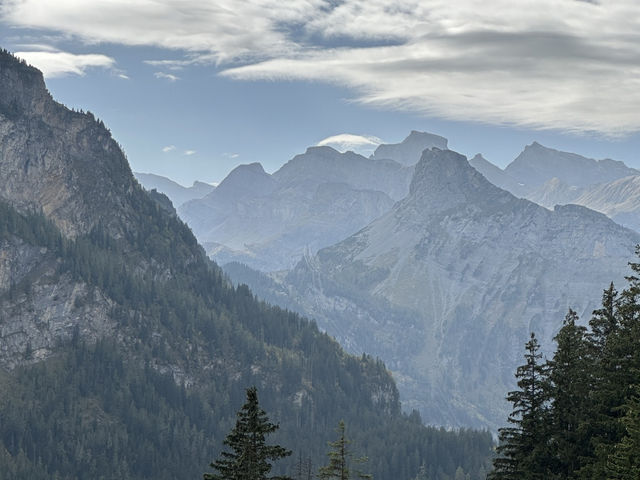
125,352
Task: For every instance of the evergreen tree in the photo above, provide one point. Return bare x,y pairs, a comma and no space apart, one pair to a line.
624,462
569,390
340,458
523,453
605,397
251,456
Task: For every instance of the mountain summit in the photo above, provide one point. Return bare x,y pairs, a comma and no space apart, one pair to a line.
408,151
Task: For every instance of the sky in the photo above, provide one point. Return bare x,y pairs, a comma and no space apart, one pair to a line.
192,88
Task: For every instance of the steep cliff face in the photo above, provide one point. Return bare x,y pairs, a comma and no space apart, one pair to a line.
62,162
447,286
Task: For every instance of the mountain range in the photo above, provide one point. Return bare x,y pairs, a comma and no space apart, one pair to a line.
176,192
448,284
550,177
125,352
314,200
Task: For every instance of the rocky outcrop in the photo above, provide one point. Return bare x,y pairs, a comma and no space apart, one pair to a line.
62,162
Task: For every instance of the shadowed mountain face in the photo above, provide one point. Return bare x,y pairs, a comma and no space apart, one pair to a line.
314,200
176,192
447,285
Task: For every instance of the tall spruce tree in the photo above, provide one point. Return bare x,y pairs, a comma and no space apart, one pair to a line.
524,450
569,391
605,398
341,459
251,457
624,460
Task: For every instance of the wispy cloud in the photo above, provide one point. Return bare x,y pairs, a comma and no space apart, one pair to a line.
166,76
563,64
230,155
55,63
190,152
168,148
348,141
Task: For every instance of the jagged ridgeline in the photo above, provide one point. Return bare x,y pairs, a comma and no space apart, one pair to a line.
125,352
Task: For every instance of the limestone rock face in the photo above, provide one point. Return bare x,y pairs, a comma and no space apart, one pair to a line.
62,162
447,286
66,165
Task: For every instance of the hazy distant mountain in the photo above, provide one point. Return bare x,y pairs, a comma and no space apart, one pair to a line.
447,286
549,177
314,200
497,176
618,199
176,192
408,151
538,164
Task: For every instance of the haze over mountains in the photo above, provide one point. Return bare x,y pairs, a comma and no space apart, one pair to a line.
449,283
550,177
314,200
176,192
125,352
444,284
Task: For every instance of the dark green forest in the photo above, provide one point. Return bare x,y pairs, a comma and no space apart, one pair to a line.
577,415
112,409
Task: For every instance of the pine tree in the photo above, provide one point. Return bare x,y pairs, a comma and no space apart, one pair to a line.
250,456
523,453
340,459
569,391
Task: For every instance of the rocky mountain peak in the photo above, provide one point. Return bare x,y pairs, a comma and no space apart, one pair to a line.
408,151
536,164
246,179
65,164
22,88
444,178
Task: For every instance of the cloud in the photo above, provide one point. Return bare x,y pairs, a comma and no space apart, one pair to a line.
168,148
230,155
190,152
561,64
54,63
348,141
166,76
